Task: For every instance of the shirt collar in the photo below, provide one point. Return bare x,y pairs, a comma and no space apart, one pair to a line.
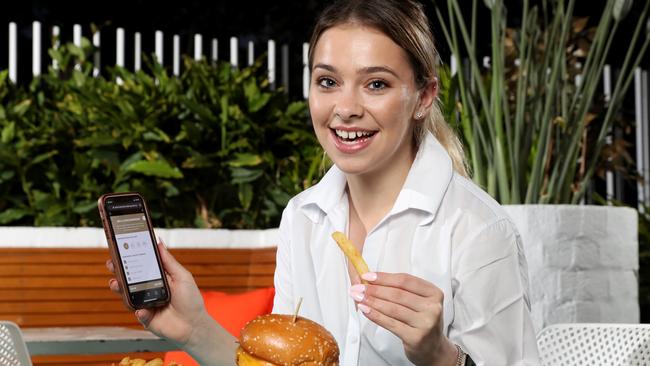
424,188
427,180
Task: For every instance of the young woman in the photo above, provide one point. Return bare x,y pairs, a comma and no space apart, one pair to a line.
449,274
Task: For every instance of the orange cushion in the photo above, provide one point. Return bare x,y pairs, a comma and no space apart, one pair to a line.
232,311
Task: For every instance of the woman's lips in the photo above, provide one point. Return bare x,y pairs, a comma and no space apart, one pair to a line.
350,146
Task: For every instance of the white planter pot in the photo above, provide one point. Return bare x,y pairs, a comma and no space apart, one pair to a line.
84,237
582,261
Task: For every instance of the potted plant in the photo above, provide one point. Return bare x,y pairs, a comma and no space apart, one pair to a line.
534,127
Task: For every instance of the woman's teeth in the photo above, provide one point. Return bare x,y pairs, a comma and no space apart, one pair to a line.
352,135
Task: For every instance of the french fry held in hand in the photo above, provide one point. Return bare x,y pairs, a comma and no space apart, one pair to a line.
351,252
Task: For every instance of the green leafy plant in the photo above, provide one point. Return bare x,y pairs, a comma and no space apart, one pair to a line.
214,147
532,122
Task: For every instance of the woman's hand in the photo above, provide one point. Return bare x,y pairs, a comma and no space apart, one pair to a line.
186,313
184,320
411,308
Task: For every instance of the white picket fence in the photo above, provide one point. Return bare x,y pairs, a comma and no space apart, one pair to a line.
159,36
613,185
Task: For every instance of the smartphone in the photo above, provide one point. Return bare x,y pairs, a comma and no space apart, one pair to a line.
133,249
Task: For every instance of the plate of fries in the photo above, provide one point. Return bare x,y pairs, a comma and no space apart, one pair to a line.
128,361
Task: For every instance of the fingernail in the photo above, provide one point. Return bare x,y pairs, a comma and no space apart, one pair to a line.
364,308
360,288
357,296
357,292
369,276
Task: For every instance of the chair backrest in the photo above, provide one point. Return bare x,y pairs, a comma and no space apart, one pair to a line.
13,351
594,344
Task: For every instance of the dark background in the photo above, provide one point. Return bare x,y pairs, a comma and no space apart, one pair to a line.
286,21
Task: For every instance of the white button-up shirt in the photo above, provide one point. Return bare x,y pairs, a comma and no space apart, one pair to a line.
442,228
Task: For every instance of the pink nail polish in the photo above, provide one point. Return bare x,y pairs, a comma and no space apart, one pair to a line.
364,308
369,276
357,296
357,292
360,288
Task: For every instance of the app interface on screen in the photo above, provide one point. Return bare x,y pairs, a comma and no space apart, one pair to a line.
136,249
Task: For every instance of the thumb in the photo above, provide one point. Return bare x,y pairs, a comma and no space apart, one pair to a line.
171,265
144,317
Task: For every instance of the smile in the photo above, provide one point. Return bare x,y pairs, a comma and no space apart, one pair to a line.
352,141
353,136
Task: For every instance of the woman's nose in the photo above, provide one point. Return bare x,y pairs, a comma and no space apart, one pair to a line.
348,106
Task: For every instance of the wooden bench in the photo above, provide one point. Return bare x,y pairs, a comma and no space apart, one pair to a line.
60,287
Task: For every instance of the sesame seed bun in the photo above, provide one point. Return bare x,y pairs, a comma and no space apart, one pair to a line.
276,340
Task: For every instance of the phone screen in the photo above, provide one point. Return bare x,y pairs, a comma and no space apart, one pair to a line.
136,249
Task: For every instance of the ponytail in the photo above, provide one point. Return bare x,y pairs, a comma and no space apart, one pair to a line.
436,124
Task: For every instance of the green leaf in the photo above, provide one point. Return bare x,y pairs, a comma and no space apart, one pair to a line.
245,195
196,161
245,159
296,108
7,175
43,157
151,136
157,168
256,100
13,214
96,140
22,107
279,197
3,76
8,132
259,102
242,175
85,207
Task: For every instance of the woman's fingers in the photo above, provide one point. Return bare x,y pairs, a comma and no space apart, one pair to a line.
404,298
404,304
389,323
403,281
394,311
144,316
110,266
114,285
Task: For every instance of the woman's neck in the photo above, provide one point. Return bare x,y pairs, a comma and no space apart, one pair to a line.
372,195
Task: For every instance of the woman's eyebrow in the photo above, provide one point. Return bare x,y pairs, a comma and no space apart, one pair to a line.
326,67
363,70
375,69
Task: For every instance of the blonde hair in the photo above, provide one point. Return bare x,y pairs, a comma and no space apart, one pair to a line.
405,22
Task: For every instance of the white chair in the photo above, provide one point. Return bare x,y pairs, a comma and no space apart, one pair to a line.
13,351
594,344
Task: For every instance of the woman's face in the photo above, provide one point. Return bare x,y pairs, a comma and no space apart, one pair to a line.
363,99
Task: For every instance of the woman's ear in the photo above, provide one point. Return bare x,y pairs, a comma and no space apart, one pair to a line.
428,95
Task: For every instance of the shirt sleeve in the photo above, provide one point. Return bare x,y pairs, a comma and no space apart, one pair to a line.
492,320
283,301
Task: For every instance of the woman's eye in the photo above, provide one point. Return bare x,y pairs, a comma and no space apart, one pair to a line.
326,82
377,85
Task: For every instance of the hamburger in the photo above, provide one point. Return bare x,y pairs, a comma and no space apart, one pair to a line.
278,340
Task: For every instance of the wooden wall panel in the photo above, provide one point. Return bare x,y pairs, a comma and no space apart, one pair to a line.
41,287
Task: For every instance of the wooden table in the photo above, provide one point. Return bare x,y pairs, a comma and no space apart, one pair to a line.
92,341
